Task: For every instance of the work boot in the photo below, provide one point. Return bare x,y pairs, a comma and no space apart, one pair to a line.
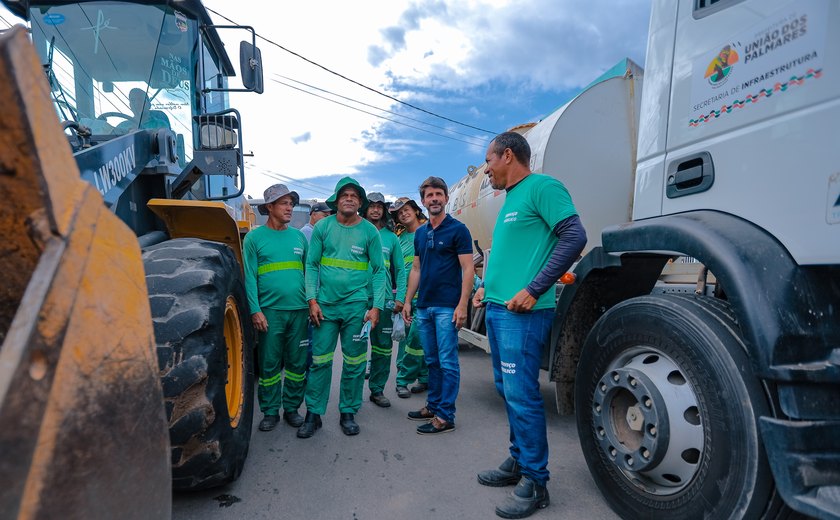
292,418
403,392
309,426
268,423
419,388
527,497
379,399
508,474
348,424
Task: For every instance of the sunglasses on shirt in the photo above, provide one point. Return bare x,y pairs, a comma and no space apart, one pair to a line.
430,239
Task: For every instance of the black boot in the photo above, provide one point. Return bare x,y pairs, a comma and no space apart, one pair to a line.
309,426
527,497
268,423
348,424
293,418
508,474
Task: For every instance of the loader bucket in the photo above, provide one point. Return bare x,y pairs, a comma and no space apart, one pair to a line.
83,429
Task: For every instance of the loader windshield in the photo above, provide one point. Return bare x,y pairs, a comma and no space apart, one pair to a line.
119,66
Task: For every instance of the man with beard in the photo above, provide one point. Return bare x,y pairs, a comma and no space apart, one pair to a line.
273,255
443,272
411,366
537,216
381,344
345,254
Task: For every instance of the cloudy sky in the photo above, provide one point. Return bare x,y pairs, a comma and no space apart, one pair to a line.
483,66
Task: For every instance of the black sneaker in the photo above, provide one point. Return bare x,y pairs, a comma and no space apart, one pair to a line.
292,418
379,399
268,423
436,425
423,414
508,474
310,425
527,497
419,388
348,424
403,392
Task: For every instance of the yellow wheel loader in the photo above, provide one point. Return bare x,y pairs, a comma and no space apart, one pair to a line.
126,366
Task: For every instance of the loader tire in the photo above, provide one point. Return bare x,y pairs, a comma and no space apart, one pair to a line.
205,355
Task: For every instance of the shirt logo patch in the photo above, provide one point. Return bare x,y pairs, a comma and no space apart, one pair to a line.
298,251
357,250
511,217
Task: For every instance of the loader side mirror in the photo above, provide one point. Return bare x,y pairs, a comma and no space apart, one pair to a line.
250,63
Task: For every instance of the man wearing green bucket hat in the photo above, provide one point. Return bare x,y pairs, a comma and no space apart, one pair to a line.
345,253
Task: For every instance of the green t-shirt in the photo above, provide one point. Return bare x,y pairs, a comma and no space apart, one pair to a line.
392,256
339,257
274,263
523,238
407,244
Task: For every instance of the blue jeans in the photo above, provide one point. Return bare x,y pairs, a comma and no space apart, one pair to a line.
439,338
516,342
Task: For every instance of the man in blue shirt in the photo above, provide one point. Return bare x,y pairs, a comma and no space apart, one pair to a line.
443,272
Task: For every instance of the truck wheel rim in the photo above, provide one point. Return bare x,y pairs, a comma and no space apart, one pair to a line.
647,421
233,343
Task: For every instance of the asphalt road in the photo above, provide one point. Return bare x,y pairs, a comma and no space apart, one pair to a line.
388,471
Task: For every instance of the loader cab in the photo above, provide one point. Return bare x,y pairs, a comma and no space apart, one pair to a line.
116,68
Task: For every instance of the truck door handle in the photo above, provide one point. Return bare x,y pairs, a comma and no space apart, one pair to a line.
692,174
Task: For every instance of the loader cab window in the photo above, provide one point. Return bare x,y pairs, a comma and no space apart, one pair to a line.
116,67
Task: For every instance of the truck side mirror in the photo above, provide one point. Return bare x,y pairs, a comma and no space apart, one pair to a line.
250,63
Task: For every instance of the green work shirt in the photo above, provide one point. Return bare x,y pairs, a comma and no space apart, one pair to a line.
393,259
407,245
524,238
344,259
274,263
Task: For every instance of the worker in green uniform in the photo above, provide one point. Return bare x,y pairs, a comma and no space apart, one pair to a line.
411,365
274,256
342,248
381,344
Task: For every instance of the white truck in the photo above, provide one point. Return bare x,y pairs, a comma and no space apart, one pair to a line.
722,402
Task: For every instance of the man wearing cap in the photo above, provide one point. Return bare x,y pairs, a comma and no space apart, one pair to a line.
318,211
411,366
345,254
381,344
443,272
274,256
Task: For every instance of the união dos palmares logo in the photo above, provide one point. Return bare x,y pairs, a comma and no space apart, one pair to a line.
718,70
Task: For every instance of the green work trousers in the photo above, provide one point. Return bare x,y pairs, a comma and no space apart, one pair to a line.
381,348
282,349
343,320
411,362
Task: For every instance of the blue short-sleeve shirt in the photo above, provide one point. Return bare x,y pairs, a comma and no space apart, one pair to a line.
440,271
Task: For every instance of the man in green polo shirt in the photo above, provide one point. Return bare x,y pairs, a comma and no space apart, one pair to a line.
345,254
381,344
537,237
274,256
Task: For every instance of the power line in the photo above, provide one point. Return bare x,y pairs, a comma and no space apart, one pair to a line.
377,115
293,182
356,82
378,108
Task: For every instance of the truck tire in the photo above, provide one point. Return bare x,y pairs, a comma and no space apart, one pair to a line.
205,355
667,412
